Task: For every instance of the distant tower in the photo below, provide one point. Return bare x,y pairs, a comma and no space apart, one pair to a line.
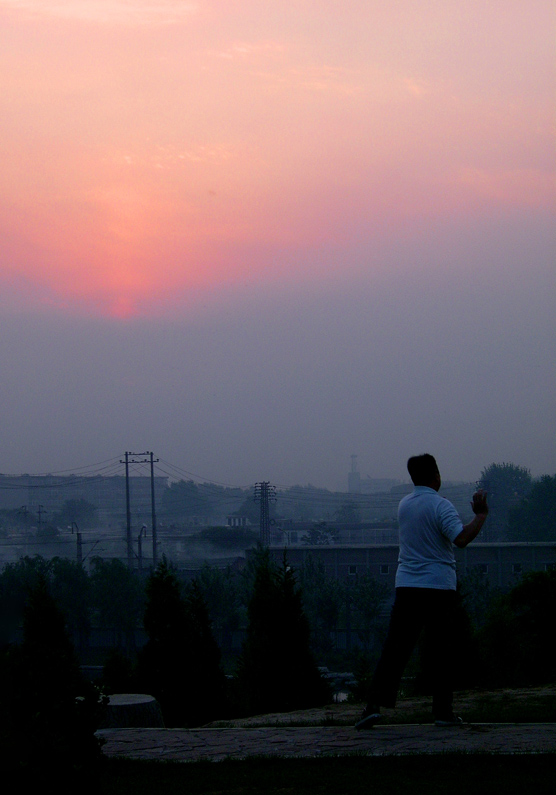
354,478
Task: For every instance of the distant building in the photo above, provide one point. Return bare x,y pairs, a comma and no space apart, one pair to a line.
237,520
502,563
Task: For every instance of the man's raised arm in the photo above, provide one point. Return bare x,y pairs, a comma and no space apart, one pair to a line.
471,530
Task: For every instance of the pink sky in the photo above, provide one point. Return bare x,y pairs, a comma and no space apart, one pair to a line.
155,149
259,236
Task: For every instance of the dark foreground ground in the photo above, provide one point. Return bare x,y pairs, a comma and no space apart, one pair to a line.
218,745
431,775
507,745
496,722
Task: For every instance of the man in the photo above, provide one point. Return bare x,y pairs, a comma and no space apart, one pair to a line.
425,591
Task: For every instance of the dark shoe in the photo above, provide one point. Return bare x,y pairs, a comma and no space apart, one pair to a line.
369,717
448,720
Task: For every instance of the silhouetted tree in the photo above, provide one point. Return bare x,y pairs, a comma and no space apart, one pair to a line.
49,713
47,532
367,596
163,659
71,590
323,602
68,585
179,664
184,499
80,511
118,675
18,518
517,643
478,596
16,581
252,510
230,537
277,671
221,590
506,485
118,597
348,512
207,699
534,518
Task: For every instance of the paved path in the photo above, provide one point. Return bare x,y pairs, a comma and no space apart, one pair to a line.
215,744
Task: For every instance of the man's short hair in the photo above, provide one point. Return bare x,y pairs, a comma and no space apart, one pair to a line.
422,469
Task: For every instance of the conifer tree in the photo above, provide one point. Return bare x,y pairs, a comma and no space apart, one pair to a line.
180,663
277,671
208,695
49,713
324,600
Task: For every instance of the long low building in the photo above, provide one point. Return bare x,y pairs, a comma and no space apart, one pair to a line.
503,563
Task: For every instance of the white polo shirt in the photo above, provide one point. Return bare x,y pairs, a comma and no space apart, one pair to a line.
429,524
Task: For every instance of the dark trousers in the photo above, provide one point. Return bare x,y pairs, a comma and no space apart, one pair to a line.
415,610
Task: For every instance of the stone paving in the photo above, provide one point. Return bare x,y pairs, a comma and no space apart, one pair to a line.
217,744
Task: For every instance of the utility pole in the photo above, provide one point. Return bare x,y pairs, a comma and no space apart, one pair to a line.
153,513
23,510
265,494
129,543
40,512
140,546
79,543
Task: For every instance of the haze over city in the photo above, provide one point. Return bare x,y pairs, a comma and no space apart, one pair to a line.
258,237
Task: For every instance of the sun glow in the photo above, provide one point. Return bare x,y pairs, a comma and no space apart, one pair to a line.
144,166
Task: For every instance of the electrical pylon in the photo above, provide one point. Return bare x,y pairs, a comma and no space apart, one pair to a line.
265,494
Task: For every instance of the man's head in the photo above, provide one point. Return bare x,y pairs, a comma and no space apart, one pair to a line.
423,471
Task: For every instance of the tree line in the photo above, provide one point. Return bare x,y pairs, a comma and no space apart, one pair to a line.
48,712
111,597
521,508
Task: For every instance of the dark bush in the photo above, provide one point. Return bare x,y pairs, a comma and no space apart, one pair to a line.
518,644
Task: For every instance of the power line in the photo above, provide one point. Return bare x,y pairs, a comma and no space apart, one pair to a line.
200,477
73,470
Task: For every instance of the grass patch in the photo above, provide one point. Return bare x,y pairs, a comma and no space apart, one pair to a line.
511,708
456,774
524,705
